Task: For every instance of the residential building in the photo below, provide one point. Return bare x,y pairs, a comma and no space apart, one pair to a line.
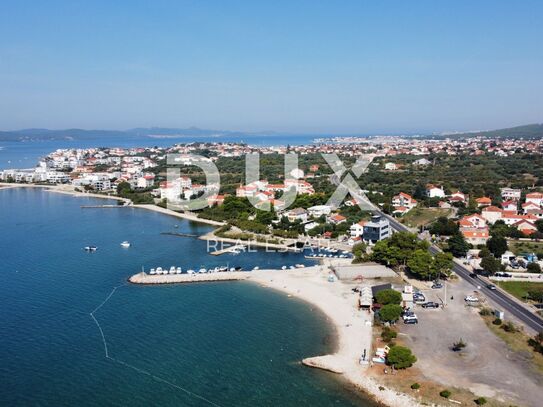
377,229
535,197
433,191
357,229
511,194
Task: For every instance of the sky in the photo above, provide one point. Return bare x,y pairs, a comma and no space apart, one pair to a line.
340,67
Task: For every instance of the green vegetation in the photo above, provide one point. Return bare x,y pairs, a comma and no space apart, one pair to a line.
457,245
400,357
533,268
523,290
480,401
390,312
389,296
359,252
124,190
458,345
444,226
523,246
388,334
420,216
445,394
415,386
497,245
490,264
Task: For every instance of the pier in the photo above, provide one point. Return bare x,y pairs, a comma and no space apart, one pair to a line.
231,249
178,234
144,278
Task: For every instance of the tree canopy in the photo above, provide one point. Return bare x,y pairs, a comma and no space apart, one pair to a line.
400,357
389,296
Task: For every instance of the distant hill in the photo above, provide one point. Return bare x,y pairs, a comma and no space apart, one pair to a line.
527,131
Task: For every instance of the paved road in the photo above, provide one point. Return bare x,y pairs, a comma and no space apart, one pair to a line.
499,297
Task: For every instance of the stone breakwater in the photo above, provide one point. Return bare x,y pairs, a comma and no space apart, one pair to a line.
144,278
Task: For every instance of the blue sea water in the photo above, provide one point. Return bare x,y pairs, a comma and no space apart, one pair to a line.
219,344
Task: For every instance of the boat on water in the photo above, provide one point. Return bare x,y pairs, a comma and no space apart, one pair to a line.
125,244
300,266
190,271
152,271
178,270
256,268
91,248
202,270
223,268
159,270
284,268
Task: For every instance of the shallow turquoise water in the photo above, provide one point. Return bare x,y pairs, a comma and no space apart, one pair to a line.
225,344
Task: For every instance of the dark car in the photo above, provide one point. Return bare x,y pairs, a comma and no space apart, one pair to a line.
491,287
411,321
430,304
473,275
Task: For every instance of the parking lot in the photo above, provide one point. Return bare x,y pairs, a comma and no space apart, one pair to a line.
485,366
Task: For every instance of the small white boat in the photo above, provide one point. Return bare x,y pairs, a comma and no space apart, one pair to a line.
190,271
202,270
152,271
178,270
284,268
256,268
172,270
223,268
125,244
300,266
232,269
292,267
91,248
159,270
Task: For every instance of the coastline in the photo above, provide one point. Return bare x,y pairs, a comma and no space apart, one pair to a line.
335,300
353,328
68,190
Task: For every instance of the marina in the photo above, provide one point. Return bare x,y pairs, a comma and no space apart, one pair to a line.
232,249
144,278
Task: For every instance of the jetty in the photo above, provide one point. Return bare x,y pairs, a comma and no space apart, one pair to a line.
178,234
231,249
144,278
104,206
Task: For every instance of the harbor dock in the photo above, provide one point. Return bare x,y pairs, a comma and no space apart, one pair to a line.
232,249
144,278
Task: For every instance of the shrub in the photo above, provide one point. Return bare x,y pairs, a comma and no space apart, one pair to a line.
415,386
458,346
485,312
509,327
445,393
497,321
400,357
480,401
387,334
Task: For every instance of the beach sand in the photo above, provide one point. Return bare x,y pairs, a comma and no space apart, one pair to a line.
353,327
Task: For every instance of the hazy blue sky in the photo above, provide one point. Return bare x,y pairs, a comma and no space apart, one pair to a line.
301,66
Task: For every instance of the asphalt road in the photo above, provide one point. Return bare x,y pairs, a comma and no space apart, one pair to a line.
499,297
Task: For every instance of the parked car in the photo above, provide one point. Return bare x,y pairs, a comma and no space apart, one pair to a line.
411,315
430,304
411,321
471,298
437,285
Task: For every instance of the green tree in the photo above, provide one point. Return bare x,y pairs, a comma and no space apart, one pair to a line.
533,268
539,225
390,312
123,188
442,264
490,265
457,245
497,245
359,251
400,357
389,296
420,263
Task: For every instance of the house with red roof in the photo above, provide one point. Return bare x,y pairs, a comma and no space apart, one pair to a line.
492,214
535,197
483,201
404,201
529,206
526,227
510,205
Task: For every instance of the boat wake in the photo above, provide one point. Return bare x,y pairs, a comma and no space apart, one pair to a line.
137,369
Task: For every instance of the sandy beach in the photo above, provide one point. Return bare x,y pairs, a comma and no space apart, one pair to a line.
353,327
337,301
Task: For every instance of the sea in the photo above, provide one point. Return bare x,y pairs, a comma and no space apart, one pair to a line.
74,333
26,154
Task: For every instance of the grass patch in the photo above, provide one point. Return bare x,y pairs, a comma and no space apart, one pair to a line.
517,342
520,246
423,216
519,289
